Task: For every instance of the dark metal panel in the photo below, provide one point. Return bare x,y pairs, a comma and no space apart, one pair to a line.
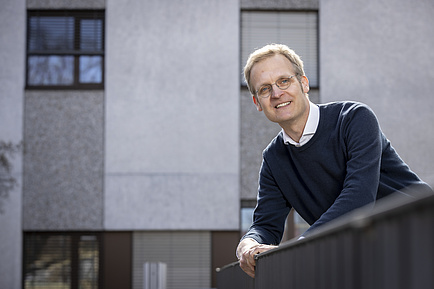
391,247
232,277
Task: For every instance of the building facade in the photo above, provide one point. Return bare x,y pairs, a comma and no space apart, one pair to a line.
147,149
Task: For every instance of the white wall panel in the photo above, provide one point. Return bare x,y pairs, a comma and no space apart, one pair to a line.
172,109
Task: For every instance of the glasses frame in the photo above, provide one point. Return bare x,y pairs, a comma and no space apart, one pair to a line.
275,83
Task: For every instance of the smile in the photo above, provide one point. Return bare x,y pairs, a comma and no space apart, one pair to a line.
283,104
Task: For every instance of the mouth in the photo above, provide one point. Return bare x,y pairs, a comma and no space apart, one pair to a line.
283,104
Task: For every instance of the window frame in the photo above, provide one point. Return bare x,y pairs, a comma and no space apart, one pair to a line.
75,52
242,82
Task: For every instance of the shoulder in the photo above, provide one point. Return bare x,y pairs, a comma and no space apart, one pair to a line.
343,107
344,111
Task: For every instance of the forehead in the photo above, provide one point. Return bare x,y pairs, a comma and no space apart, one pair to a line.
270,69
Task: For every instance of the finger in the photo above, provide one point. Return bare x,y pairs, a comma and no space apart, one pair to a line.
257,251
248,268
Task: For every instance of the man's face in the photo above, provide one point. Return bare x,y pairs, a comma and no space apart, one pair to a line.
286,107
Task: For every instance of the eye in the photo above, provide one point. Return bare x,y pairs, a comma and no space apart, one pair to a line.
264,90
283,81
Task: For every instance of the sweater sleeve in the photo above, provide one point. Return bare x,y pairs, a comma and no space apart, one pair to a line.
362,139
271,210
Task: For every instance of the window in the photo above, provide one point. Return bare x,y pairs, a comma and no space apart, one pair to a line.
246,219
297,30
61,261
65,49
187,255
295,225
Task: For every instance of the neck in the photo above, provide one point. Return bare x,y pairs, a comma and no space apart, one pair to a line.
294,133
295,128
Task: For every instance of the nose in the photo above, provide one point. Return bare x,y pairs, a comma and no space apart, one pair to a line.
276,91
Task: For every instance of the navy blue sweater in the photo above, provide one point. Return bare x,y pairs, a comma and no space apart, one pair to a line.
347,164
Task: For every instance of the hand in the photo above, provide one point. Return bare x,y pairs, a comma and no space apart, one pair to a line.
247,249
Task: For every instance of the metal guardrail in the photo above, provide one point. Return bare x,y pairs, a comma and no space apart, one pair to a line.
232,276
389,247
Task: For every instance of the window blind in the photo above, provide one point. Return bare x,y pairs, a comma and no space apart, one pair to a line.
187,256
297,30
65,32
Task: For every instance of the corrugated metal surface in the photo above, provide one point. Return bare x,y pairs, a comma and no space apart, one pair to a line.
187,255
231,276
389,248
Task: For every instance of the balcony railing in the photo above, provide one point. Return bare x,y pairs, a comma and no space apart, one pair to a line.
389,247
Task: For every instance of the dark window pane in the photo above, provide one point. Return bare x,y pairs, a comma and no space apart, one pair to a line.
246,219
48,262
91,35
90,69
51,33
89,262
50,70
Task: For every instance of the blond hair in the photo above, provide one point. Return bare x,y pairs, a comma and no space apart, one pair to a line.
269,51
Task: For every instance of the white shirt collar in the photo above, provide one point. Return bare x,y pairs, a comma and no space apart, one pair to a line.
309,129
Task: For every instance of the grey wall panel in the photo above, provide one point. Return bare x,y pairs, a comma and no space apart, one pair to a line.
12,51
280,4
63,161
65,4
256,133
171,202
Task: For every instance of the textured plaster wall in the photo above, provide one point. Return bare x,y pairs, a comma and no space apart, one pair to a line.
256,133
12,49
256,130
280,4
172,115
63,160
380,53
65,4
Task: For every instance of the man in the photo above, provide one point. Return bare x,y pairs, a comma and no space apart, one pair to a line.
327,161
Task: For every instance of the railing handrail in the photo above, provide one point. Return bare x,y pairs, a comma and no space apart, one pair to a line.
360,233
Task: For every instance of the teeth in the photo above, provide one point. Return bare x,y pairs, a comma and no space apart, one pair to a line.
283,104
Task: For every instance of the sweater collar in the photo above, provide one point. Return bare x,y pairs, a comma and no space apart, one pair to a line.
309,129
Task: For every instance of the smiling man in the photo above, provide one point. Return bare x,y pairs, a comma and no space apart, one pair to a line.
327,160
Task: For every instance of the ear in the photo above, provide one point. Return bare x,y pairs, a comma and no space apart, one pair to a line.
305,84
256,102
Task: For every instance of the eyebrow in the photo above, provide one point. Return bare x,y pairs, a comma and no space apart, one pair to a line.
280,77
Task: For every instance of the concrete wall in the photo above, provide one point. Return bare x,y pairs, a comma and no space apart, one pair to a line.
256,130
380,53
63,161
172,115
280,4
12,49
256,133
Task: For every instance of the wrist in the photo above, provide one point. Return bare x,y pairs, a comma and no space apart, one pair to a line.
245,245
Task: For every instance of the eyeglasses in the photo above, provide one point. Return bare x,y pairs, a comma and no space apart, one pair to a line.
265,90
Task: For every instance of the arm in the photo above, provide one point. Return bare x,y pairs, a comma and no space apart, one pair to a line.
268,222
361,136
271,210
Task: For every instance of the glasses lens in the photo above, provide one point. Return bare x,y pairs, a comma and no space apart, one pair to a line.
283,83
264,91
